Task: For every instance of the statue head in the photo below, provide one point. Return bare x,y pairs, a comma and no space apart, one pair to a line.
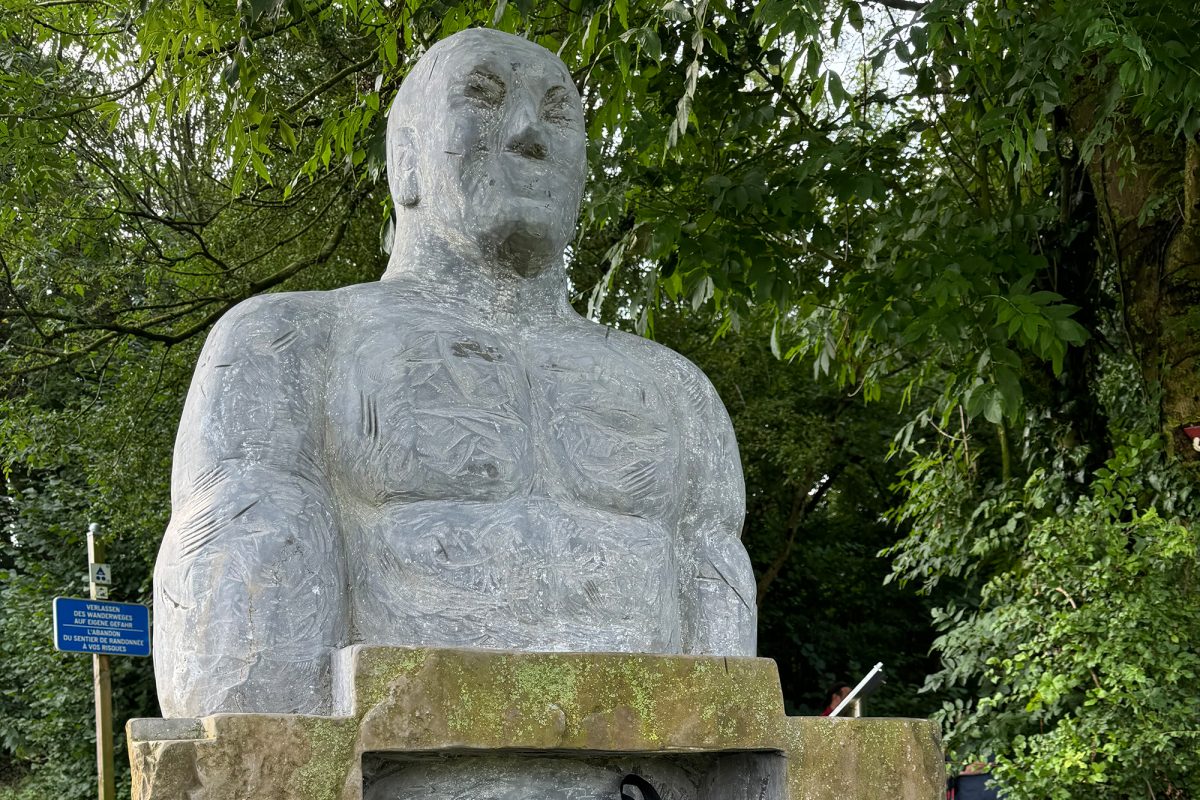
486,150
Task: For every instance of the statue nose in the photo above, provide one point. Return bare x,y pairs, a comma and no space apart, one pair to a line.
527,137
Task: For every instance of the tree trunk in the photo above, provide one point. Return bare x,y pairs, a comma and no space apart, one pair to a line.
1148,191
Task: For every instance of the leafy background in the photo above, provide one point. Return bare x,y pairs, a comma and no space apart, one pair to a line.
938,257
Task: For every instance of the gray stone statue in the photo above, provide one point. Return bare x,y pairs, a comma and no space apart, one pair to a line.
450,456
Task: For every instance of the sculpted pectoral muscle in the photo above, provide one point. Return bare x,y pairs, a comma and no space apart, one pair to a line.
503,494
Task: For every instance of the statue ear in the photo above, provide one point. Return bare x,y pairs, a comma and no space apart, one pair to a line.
402,166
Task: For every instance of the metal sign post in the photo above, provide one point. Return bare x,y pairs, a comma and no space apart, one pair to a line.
101,628
866,686
101,678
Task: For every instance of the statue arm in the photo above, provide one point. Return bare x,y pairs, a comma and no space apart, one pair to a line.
720,615
249,579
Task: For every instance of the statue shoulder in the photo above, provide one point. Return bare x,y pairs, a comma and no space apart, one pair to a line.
674,372
297,315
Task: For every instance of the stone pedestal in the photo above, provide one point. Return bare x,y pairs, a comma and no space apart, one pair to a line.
490,725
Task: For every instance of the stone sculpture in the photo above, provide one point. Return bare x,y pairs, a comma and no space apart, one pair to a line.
451,456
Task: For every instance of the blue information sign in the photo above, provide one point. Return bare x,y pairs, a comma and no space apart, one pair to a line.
98,626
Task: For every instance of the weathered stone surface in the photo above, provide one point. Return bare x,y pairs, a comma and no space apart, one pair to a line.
716,723
450,456
709,776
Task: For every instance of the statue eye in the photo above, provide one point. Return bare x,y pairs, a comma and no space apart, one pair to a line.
484,88
557,106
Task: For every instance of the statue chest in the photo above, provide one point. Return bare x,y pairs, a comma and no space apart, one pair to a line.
437,414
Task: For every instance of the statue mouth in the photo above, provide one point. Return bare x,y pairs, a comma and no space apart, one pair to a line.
520,172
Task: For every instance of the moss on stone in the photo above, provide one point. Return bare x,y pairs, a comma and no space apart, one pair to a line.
332,754
375,667
438,700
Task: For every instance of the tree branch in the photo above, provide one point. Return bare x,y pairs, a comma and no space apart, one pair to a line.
900,5
229,47
287,239
329,84
103,98
804,499
116,330
12,290
64,357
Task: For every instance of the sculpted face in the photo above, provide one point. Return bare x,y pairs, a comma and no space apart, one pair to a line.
491,139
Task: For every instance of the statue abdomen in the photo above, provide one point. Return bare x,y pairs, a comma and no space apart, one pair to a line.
526,573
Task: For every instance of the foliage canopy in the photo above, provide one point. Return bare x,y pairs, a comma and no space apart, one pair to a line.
988,217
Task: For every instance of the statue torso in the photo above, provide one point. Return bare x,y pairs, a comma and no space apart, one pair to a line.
502,487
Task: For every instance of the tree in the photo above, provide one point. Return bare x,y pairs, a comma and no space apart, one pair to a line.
817,491
1074,517
988,218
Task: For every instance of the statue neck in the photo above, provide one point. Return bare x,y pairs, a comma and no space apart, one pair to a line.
477,284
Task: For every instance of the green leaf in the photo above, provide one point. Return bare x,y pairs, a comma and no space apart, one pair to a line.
836,92
623,58
993,409
854,12
260,167
674,9
1070,331
716,42
1009,386
260,7
231,74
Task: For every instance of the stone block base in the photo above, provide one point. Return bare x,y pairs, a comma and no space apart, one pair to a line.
452,724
